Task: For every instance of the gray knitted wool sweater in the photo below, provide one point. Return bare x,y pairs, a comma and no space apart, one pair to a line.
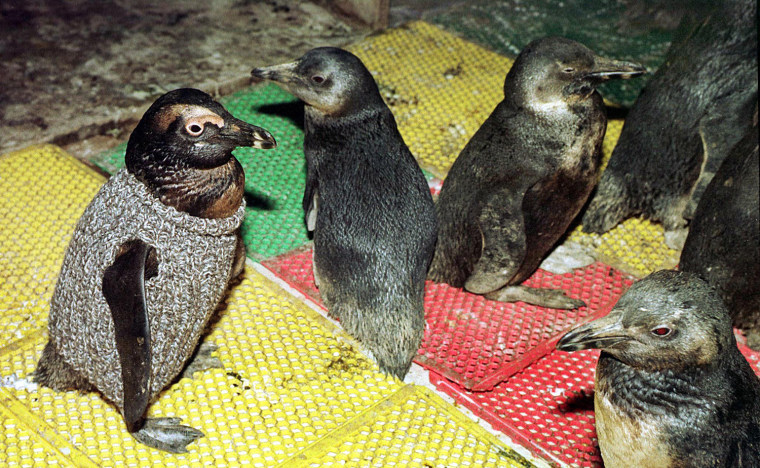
195,257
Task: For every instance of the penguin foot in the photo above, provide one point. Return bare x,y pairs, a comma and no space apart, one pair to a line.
202,360
552,298
676,238
167,434
482,282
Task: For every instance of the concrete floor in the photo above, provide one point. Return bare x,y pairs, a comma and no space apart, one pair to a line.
81,73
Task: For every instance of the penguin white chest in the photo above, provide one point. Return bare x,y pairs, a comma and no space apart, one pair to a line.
627,442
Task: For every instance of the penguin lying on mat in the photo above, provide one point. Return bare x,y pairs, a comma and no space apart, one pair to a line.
367,202
672,388
525,174
149,262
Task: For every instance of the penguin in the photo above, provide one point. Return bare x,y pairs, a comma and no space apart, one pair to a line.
689,115
149,261
672,389
723,244
366,202
525,174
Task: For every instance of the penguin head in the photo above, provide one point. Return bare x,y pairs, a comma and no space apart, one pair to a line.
555,69
186,128
668,320
332,81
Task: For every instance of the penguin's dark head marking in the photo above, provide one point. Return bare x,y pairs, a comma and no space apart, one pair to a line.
330,80
555,70
190,128
668,320
182,150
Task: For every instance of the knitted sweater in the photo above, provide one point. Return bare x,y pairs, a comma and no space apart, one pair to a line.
195,257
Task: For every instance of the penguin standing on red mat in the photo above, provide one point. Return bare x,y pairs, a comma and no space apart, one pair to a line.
150,260
525,174
366,201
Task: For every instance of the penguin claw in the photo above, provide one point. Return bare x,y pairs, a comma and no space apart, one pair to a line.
551,298
167,434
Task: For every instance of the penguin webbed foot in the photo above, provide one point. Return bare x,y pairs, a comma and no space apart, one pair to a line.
202,360
551,298
166,434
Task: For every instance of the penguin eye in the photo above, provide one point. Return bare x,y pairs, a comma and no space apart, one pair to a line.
194,129
661,331
318,79
568,70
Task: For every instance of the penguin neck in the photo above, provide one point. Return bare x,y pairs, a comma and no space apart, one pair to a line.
636,391
206,193
550,105
332,134
316,118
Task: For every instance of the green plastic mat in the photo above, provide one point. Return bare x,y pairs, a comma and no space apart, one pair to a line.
506,26
274,179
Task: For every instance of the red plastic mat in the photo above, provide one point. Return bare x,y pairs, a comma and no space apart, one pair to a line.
478,343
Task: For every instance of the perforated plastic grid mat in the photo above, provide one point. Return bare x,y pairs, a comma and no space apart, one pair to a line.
477,342
292,382
60,190
549,406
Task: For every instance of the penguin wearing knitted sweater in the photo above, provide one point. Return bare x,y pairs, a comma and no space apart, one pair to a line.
149,261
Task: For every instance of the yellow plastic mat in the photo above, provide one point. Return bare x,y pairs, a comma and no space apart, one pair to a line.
44,192
293,387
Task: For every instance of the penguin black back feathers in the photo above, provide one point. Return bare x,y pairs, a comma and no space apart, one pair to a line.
672,388
526,173
149,261
723,245
690,114
366,201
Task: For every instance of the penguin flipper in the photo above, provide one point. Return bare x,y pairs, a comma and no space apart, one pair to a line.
124,291
718,131
503,230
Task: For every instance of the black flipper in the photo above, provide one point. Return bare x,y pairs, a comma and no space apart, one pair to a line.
503,235
124,290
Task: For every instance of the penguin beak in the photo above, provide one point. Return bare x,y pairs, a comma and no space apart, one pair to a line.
244,134
599,334
284,73
606,69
